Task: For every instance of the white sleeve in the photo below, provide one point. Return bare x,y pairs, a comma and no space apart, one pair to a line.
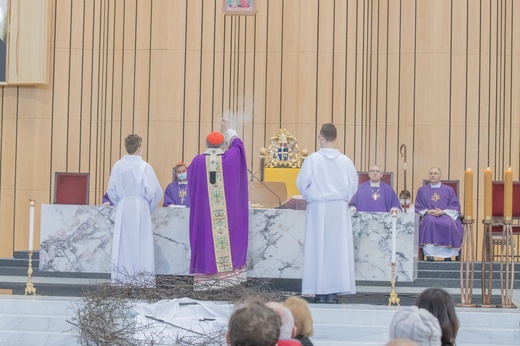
228,134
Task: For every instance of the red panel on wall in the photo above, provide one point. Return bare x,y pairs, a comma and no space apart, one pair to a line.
71,188
453,183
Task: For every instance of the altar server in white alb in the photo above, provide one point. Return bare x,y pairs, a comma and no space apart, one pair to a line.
135,191
327,181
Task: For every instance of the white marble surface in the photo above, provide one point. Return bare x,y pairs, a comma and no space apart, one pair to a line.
79,239
373,246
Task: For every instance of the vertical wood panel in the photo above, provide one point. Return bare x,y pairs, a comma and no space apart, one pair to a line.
440,76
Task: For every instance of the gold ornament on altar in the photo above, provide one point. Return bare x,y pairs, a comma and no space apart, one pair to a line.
283,151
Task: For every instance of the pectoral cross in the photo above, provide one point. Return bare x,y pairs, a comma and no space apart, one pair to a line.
375,194
182,194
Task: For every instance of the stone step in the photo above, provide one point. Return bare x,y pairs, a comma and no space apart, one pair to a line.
25,255
17,262
455,266
364,315
47,323
368,325
78,287
430,274
433,282
46,287
30,338
26,319
36,320
37,305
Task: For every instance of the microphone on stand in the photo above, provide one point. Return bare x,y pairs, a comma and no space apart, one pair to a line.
253,174
267,187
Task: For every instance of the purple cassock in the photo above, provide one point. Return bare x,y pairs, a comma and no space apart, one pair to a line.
177,194
374,199
106,199
439,230
235,183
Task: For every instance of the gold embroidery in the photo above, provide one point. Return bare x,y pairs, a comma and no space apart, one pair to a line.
435,197
219,218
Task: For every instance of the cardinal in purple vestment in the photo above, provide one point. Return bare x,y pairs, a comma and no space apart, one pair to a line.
440,225
176,192
375,195
219,211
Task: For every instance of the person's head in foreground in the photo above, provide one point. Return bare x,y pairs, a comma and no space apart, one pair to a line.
417,325
302,316
253,324
441,305
287,329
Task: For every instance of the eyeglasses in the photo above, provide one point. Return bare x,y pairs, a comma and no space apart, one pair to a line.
374,171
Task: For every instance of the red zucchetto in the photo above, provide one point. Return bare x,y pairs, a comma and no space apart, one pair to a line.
215,138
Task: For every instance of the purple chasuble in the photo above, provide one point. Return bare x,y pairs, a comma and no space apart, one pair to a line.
439,230
363,200
234,171
172,196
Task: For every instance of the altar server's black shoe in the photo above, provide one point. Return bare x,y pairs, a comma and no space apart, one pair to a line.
429,258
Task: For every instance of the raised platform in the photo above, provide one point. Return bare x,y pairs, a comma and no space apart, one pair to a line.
38,320
13,276
360,319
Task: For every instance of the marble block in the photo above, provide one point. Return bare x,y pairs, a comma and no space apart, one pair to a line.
79,239
373,246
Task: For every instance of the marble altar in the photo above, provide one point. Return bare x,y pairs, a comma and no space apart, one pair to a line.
373,246
76,238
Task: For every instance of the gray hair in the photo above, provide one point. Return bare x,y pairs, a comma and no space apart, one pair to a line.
286,330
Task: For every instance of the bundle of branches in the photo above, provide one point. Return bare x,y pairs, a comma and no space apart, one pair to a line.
104,316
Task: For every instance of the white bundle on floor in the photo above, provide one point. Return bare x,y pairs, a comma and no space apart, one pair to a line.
182,321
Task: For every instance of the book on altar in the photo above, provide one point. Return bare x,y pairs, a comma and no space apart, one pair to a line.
296,202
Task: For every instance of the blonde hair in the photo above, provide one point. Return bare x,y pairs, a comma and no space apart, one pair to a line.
302,316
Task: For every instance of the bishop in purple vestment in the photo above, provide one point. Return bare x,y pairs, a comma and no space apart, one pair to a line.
440,227
176,192
219,211
375,195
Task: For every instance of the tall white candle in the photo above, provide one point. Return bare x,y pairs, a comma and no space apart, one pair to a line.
31,223
394,237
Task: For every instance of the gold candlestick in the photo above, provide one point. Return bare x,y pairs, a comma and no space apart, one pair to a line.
29,288
467,264
393,300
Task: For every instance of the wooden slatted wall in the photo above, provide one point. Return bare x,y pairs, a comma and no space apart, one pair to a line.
441,77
